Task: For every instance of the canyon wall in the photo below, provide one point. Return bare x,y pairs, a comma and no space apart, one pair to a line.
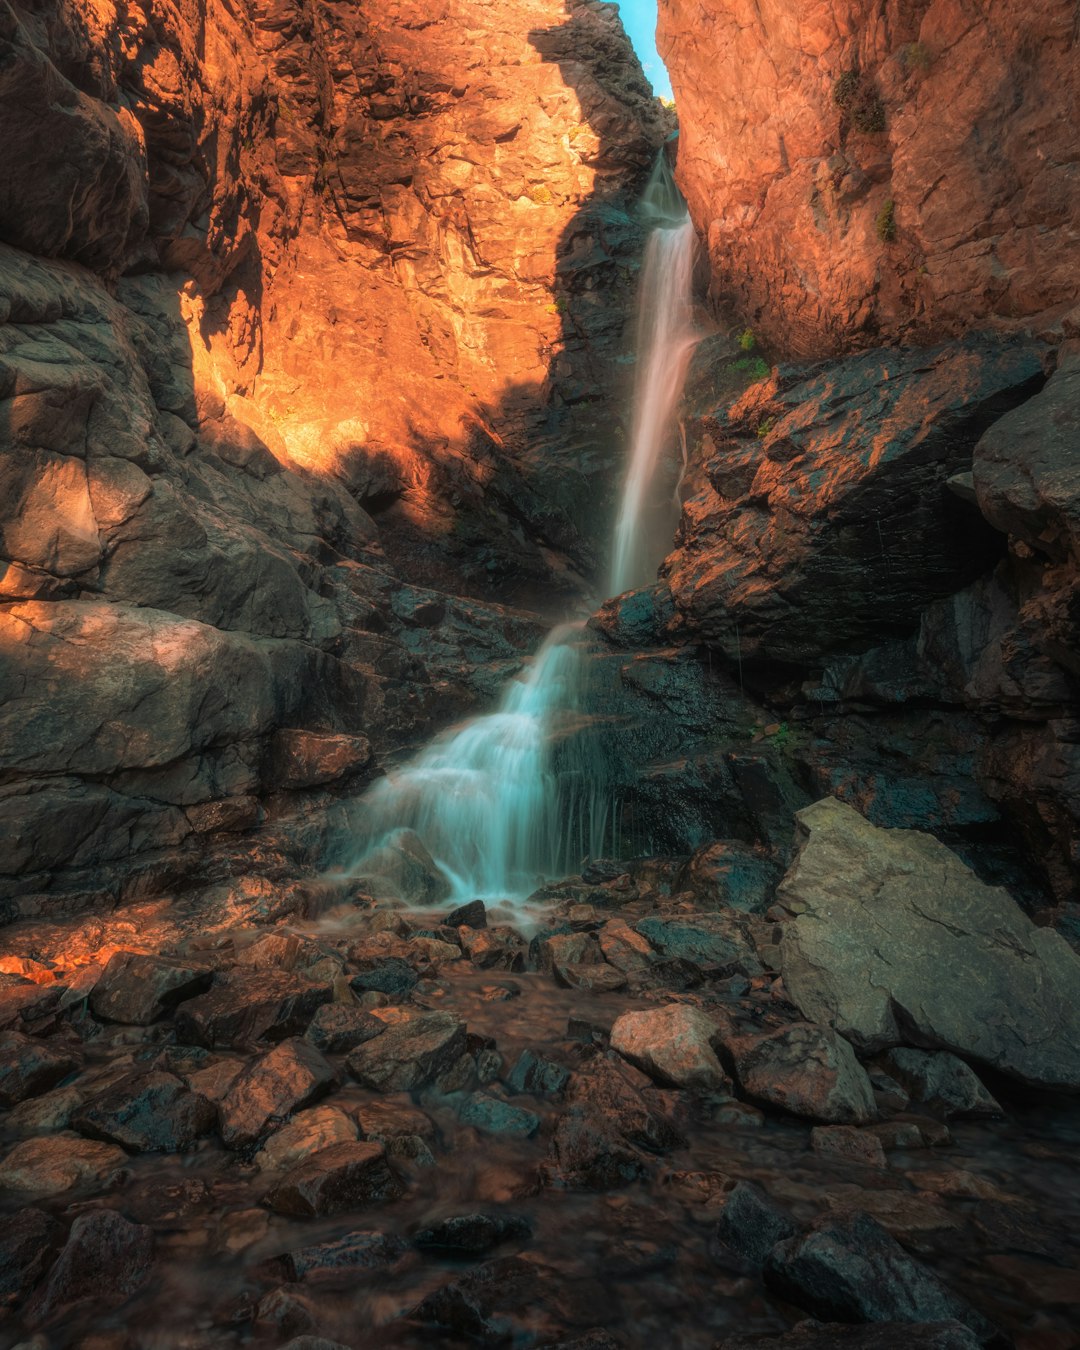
865,170
290,297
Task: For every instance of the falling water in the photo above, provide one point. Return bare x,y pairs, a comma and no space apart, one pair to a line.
521,795
666,339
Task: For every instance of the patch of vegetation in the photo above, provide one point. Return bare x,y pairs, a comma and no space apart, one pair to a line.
540,194
859,102
764,427
916,56
885,223
558,306
746,340
754,366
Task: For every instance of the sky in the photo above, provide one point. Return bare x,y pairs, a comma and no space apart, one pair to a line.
639,19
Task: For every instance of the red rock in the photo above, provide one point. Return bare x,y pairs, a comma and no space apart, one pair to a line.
343,1176
276,1084
311,758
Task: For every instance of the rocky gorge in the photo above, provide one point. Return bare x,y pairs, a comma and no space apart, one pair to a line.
367,978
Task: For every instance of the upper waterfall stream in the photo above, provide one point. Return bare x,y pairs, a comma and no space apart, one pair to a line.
515,797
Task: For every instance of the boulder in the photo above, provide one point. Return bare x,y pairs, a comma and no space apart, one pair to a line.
147,1112
472,1234
409,1054
750,1224
338,1028
342,1177
492,1115
105,1260
537,1075
29,1067
673,1045
719,939
881,914
28,1246
849,1269
941,1081
251,1006
343,1259
304,759
472,915
807,1070
58,1163
307,1133
273,1086
137,989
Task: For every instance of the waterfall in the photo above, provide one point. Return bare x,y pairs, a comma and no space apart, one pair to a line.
666,339
510,799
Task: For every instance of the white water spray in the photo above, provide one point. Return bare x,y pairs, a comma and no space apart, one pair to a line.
666,340
519,796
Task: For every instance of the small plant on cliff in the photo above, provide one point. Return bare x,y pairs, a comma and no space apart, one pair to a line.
916,56
859,103
885,223
746,340
755,366
540,194
764,427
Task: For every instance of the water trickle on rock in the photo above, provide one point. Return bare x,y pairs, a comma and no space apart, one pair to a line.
521,795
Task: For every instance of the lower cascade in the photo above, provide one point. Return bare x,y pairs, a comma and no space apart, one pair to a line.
510,799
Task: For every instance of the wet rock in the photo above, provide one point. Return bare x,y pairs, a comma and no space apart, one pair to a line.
105,1260
850,1269
596,979
310,758
494,948
306,1133
23,1003
472,915
29,1242
882,912
491,1115
30,1067
342,1177
389,975
59,1163
472,1234
704,940
750,1224
623,948
727,872
596,1339
252,1006
386,1119
807,1070
409,1054
512,1300
344,1258
283,1080
548,951
338,1028
848,1143
499,993
401,868
137,989
942,1082
147,1112
882,1336
673,1045
537,1075
287,1312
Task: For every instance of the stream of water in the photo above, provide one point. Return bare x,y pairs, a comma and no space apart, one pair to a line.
513,798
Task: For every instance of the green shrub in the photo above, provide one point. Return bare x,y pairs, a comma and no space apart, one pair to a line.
746,340
916,56
754,366
885,223
859,102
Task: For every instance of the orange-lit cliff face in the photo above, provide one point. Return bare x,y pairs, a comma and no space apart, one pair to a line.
290,297
865,171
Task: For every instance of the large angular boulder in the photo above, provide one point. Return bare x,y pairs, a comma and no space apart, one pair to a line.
273,1086
29,1067
138,989
673,1045
807,1070
343,1176
251,1006
409,1054
104,1261
895,941
152,1112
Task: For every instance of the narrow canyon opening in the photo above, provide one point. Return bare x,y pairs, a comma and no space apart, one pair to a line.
538,675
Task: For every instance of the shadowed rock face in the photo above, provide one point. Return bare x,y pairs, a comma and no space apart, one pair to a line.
865,170
285,290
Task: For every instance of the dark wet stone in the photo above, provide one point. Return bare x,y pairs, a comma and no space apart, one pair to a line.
676,973
136,989
104,1261
849,1269
287,1312
472,915
341,1177
252,1006
472,1234
29,1242
491,1115
386,975
344,1257
386,1119
751,1224
807,1070
313,1343
598,979
24,1003
147,1112
409,1054
532,1073
60,1162
336,1028
498,948
291,1076
704,939
941,1081
512,1300
882,1336
849,1144
29,1067
553,947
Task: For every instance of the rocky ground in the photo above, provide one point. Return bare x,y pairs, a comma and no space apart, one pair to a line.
619,1115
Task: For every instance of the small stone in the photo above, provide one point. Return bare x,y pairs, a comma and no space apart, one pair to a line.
29,1241
898,1134
345,1257
306,1133
598,979
673,1045
848,1143
472,1234
273,1086
409,1054
410,1148
490,1115
498,948
386,975
137,989
623,948
104,1261
499,993
30,1067
541,1077
338,1028
251,1006
472,915
750,1224
342,1177
286,1312
59,1163
388,1119
546,951
147,1113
